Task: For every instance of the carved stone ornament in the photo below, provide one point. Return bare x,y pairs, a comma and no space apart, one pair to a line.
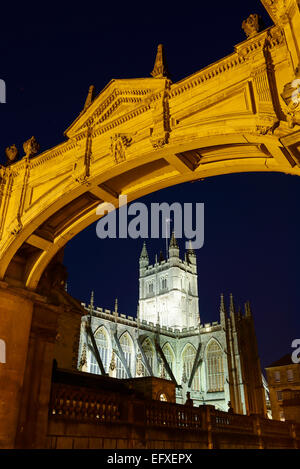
160,132
291,99
119,144
11,154
139,367
252,25
112,365
83,359
31,147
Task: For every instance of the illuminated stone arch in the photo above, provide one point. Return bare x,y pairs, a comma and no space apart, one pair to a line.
188,356
103,342
214,360
231,117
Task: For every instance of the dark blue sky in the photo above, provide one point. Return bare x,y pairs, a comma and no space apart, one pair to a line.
50,56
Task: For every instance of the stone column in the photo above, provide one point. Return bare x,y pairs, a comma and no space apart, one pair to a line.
16,308
33,417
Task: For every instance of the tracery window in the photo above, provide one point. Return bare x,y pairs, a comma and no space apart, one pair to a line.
215,368
103,345
163,283
127,347
169,355
149,352
188,360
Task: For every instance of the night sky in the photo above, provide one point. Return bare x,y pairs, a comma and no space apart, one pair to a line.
49,57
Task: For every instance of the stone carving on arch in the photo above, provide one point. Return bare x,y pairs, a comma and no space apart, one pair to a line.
291,100
160,130
118,147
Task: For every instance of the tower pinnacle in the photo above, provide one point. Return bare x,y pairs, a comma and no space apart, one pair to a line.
173,241
144,258
173,247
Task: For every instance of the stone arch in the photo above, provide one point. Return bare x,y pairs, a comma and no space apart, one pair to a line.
127,345
204,126
149,351
170,357
163,396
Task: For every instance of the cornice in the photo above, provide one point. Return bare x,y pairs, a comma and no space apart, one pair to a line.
270,38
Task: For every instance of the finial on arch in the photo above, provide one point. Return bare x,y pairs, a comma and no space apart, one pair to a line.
160,69
90,97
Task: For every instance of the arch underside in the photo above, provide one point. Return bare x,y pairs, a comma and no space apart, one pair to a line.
142,135
30,251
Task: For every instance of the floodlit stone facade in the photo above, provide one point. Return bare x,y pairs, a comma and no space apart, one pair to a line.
217,363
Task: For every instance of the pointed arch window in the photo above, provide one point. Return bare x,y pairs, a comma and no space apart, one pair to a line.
188,360
103,345
127,347
149,352
169,355
215,367
164,284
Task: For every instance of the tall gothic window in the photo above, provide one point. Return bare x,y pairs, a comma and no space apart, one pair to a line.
215,369
163,284
149,352
127,347
102,342
169,355
188,360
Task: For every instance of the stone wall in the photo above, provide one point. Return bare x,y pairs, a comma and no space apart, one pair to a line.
84,416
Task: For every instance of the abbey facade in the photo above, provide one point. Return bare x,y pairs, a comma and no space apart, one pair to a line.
217,363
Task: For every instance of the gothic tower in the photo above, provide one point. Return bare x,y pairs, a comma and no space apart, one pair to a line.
169,288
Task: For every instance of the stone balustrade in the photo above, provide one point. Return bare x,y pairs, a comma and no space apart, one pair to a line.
108,417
